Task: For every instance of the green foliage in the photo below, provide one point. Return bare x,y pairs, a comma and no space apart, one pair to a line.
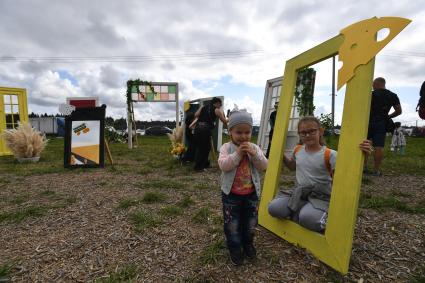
304,90
185,202
172,210
126,274
202,216
391,203
326,121
213,252
152,197
143,220
126,203
5,272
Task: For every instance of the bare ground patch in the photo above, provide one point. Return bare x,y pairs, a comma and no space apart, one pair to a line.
93,238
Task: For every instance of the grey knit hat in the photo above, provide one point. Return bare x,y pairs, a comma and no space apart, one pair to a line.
239,117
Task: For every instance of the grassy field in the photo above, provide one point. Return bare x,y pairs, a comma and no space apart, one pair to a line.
149,218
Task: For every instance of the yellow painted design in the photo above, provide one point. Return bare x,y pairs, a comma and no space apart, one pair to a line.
334,247
186,105
360,43
22,107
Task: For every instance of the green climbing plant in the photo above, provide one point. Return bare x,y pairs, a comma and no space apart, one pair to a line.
304,90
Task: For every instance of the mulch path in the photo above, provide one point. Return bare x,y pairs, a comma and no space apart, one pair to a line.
90,238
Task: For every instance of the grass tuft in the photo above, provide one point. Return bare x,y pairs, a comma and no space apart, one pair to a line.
143,220
171,211
389,203
126,274
185,202
152,197
213,252
126,203
202,216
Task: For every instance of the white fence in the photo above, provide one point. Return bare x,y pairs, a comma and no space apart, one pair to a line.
47,125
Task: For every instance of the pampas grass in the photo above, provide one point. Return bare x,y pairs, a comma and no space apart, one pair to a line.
24,141
176,136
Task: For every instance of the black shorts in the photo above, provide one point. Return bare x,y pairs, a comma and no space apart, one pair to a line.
377,132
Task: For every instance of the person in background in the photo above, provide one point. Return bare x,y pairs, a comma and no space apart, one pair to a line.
398,141
382,102
203,124
272,121
189,155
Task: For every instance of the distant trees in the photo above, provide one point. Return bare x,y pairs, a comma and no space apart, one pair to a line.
119,124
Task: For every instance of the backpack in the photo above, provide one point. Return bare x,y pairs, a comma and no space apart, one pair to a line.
421,104
421,108
326,157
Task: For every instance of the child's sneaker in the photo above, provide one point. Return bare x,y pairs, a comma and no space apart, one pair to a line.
236,257
250,251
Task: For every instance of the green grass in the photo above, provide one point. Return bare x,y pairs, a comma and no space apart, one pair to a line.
171,211
5,272
143,220
390,203
126,203
413,162
47,193
202,216
185,202
161,184
126,274
213,252
20,199
203,186
418,277
153,197
21,214
34,209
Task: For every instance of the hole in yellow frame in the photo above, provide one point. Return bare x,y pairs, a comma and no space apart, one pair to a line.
333,248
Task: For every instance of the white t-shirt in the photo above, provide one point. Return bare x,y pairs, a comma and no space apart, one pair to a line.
311,167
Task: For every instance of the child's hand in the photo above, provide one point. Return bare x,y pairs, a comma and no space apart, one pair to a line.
366,147
240,151
248,149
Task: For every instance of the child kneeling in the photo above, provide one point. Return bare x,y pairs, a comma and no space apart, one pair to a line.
314,163
240,162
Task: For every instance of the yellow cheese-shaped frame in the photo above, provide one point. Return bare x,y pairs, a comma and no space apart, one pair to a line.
21,93
334,247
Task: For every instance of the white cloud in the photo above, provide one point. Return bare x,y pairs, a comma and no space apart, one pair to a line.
115,37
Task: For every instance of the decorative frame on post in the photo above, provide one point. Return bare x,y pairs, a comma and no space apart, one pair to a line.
357,47
144,91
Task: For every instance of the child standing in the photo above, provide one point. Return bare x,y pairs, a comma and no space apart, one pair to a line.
240,162
314,163
398,142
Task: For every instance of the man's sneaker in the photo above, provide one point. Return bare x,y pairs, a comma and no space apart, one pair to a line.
250,251
236,257
376,173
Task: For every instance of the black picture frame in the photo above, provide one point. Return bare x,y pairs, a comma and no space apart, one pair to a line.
77,123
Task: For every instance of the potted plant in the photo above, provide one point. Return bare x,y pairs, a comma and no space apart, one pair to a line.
25,142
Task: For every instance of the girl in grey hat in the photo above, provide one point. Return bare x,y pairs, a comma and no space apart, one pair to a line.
240,162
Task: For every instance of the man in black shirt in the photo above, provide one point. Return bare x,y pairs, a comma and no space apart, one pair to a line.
382,102
272,121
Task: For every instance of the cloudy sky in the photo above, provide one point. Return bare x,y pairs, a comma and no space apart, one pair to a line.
60,49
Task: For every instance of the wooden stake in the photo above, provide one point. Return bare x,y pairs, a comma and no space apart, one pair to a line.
108,153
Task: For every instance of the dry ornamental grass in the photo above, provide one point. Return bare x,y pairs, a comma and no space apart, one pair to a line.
25,141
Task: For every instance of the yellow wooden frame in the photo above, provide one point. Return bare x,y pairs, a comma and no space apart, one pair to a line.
334,247
23,112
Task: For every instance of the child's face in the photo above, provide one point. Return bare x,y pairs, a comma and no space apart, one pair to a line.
240,133
310,133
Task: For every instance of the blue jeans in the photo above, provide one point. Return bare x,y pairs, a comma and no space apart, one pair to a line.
240,219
